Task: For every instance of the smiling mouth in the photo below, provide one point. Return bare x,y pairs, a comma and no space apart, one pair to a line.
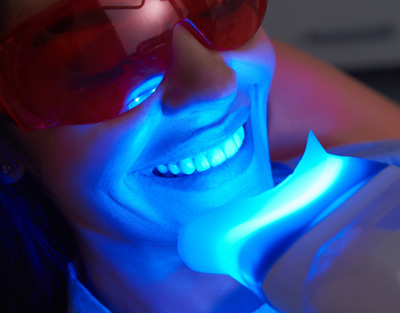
204,161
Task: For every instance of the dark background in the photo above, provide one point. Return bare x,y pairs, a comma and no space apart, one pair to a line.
362,37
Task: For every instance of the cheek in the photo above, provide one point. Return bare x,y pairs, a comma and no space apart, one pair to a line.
254,62
73,161
83,162
79,167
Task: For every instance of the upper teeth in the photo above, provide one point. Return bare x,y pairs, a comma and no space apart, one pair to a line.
206,160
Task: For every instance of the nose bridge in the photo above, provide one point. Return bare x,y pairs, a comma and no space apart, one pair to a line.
196,76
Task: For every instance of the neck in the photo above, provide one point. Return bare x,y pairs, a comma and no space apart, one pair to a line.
132,277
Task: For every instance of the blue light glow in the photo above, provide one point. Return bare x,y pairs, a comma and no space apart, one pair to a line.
141,93
244,239
304,194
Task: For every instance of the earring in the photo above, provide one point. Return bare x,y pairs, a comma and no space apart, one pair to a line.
5,168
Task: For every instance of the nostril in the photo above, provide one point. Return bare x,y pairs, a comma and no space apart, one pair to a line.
198,93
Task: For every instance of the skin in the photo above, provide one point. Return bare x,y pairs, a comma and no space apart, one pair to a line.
126,220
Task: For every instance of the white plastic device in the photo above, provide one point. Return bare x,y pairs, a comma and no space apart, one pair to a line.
274,243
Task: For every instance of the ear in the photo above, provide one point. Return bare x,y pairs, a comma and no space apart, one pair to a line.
11,169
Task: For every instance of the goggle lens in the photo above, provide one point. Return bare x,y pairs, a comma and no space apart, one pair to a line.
81,62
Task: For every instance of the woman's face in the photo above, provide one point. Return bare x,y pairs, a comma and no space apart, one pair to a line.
102,175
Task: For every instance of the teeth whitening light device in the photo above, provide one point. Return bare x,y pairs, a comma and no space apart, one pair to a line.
258,241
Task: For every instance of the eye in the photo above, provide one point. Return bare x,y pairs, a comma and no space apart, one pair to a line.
141,93
62,26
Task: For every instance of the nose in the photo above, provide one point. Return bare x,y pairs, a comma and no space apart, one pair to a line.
196,77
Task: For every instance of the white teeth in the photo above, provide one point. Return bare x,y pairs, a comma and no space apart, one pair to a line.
230,148
187,166
162,169
216,157
204,161
201,163
174,169
237,139
240,132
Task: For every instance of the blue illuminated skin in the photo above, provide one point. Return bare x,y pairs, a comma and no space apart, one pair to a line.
126,218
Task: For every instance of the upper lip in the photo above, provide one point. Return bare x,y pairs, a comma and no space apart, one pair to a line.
177,146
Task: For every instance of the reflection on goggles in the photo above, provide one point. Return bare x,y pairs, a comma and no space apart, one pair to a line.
77,61
141,93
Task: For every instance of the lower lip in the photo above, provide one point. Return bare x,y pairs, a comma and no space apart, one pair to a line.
212,178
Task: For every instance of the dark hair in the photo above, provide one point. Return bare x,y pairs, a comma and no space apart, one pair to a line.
3,13
36,244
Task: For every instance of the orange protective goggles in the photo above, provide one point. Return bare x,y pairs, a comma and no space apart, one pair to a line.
86,61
